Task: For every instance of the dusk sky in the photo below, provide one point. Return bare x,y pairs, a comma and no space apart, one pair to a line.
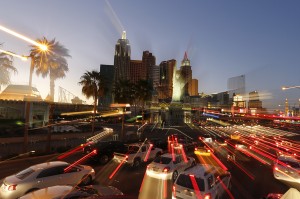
259,39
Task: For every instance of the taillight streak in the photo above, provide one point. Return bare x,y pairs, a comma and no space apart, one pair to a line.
118,167
148,153
12,187
68,153
195,186
226,189
80,160
183,154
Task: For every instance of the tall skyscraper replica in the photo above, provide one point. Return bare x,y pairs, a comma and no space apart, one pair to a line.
122,58
186,74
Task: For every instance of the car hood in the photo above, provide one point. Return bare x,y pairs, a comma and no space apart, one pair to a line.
158,166
49,192
10,180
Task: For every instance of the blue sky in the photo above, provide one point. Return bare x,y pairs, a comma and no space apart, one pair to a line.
223,39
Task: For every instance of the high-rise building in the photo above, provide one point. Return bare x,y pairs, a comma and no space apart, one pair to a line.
149,61
186,74
236,85
165,89
194,87
254,104
137,71
122,58
155,76
106,72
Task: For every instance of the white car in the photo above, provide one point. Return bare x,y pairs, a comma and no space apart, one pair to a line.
287,168
70,192
163,167
202,181
44,175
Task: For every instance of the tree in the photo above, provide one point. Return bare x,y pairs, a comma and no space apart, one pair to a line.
143,93
51,62
92,86
6,66
124,92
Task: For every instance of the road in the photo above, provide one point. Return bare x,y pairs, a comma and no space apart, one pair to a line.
251,179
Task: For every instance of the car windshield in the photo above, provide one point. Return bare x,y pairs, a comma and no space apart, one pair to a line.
291,163
162,160
23,174
185,181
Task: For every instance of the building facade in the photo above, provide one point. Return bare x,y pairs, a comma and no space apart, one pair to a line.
165,88
106,72
236,85
194,87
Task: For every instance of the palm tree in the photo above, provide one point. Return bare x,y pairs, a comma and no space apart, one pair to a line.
124,91
6,67
51,62
92,86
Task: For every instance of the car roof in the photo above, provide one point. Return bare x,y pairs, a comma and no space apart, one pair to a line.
169,155
49,165
287,157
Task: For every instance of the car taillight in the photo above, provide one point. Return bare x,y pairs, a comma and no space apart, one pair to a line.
207,196
196,148
126,157
174,191
208,150
95,151
12,187
276,168
236,146
166,169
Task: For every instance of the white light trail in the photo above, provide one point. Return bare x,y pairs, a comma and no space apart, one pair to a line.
42,46
13,54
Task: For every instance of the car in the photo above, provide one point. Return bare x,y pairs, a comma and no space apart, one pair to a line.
104,150
70,192
236,144
204,151
136,153
201,181
44,175
168,166
287,168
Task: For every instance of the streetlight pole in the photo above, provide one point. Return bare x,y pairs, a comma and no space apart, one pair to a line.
28,104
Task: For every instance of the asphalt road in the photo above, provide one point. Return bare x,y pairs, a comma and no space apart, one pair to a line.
250,178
